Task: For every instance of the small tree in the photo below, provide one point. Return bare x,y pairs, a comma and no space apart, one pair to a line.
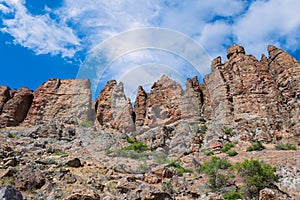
212,169
257,175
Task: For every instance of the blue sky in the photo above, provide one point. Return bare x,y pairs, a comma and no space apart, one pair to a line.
40,39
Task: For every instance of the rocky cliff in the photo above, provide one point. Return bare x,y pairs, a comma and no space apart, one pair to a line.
54,99
155,148
258,99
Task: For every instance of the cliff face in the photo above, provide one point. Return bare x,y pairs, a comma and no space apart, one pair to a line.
258,99
153,150
52,100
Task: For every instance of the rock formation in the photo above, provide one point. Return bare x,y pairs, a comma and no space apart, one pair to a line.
60,98
15,109
113,109
246,94
52,100
154,150
257,99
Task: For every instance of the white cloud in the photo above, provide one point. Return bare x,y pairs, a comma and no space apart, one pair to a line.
274,22
214,24
39,33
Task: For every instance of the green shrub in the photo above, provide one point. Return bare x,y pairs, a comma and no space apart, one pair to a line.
203,129
174,163
227,147
50,161
227,130
11,135
256,146
232,153
179,169
286,146
86,124
257,175
208,153
131,140
182,170
200,129
232,195
61,154
212,168
167,186
137,147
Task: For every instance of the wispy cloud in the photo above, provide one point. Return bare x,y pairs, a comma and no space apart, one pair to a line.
269,22
40,33
80,25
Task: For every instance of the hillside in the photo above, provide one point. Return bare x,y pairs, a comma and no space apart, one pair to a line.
58,144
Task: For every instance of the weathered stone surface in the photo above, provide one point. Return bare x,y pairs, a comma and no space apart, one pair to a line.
272,194
10,193
75,162
163,102
83,193
235,50
15,109
286,72
140,106
4,96
245,94
29,178
191,103
113,109
60,98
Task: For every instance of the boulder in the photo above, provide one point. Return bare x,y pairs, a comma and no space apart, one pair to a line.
15,109
10,193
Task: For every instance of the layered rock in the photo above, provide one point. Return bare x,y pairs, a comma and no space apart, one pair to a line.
166,103
4,96
113,109
140,106
15,109
163,102
57,98
286,72
246,95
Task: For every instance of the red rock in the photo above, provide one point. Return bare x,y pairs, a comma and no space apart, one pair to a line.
140,106
4,96
113,109
56,99
15,109
163,102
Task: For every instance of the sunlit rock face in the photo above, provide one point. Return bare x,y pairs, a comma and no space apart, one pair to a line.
257,98
15,106
57,98
113,109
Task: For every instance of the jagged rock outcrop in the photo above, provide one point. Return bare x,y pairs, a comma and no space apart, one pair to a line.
4,96
286,72
259,100
249,95
15,109
166,103
113,109
60,98
163,102
244,95
140,106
